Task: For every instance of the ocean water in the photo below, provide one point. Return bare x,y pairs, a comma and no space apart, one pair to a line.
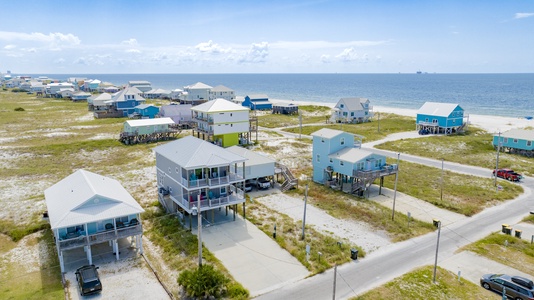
510,95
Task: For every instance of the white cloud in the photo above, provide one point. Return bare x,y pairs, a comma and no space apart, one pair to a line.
55,37
133,51
325,58
324,44
350,55
30,50
211,47
59,61
256,53
130,42
81,61
160,57
9,47
523,15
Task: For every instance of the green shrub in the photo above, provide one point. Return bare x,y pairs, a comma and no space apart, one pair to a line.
19,109
205,282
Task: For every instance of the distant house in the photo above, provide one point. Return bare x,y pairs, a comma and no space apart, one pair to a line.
36,87
86,209
141,85
52,89
111,89
222,122
65,93
92,85
99,102
285,108
352,110
517,141
195,94
25,86
157,94
147,130
257,102
176,94
126,100
440,118
145,111
80,96
338,161
190,169
222,92
180,114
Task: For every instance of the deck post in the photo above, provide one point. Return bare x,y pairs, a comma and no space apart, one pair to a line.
140,244
89,256
116,245
61,262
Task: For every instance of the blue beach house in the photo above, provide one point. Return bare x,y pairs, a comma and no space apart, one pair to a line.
339,162
440,118
518,141
146,111
126,100
257,102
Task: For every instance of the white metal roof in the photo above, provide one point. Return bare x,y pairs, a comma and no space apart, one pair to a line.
258,96
523,134
190,153
253,157
437,109
198,86
353,104
351,155
219,105
327,133
85,197
148,122
221,88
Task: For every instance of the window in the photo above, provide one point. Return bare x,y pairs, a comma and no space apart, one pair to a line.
230,114
342,141
340,162
434,121
352,114
170,170
331,160
318,158
505,140
322,140
341,105
515,141
426,119
170,190
529,143
176,170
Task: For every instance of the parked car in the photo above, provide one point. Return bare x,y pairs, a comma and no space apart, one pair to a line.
508,174
262,183
88,280
517,287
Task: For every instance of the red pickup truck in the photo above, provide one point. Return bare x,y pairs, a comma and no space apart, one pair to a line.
508,174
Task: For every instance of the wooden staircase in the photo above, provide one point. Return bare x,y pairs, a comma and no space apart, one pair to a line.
289,180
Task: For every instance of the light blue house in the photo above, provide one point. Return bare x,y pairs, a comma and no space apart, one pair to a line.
257,102
85,209
146,111
440,118
339,162
519,141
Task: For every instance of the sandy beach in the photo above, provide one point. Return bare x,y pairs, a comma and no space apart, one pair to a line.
492,124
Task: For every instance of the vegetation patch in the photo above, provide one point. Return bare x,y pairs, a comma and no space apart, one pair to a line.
418,284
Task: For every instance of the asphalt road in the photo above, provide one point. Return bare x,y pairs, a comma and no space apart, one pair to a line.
389,262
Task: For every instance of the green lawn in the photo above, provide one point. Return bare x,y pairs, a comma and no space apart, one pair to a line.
310,114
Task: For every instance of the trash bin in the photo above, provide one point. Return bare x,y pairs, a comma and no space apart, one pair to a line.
518,233
354,254
508,230
504,227
435,222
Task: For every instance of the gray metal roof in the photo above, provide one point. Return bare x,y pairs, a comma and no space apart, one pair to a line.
174,110
218,105
221,88
253,157
190,153
327,133
85,197
437,109
522,134
353,104
258,96
351,155
198,86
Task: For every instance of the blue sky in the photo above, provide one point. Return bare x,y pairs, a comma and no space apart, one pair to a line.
343,36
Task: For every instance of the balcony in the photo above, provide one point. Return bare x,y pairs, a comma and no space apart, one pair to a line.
76,241
188,201
384,171
215,181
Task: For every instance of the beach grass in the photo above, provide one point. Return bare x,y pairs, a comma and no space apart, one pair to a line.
289,237
471,148
371,131
463,194
507,250
311,114
418,284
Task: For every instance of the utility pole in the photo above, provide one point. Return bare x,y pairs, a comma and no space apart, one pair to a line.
437,247
441,182
335,273
300,123
199,233
378,122
395,191
497,163
304,218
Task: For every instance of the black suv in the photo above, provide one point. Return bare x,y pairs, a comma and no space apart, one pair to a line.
517,287
88,280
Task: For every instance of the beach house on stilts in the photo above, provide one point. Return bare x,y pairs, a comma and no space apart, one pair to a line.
441,118
86,209
339,162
